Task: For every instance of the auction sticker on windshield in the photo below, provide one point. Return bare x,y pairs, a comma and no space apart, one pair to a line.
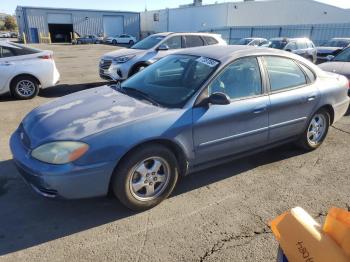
207,61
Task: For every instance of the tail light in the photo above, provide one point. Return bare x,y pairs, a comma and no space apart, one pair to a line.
45,56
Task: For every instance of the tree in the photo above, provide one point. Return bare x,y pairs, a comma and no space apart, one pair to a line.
10,23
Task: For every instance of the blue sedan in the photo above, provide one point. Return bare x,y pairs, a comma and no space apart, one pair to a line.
188,111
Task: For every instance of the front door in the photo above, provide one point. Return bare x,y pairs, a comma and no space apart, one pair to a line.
224,130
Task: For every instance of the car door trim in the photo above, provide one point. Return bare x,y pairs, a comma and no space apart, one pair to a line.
286,123
224,139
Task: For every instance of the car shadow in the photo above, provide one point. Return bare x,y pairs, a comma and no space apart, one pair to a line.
58,90
29,220
66,89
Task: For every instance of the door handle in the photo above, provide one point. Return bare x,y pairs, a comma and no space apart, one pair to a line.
311,98
259,110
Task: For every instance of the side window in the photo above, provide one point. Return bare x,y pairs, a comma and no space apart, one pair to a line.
302,44
173,42
309,73
193,41
210,40
283,73
291,46
239,80
7,52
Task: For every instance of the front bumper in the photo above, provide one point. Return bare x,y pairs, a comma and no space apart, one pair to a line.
63,181
115,72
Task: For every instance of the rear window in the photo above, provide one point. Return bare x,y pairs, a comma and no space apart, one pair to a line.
194,41
309,73
210,40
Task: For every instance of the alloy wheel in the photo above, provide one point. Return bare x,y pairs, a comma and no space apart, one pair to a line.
317,129
149,178
25,88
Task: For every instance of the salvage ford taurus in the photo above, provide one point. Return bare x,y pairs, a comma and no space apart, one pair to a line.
190,110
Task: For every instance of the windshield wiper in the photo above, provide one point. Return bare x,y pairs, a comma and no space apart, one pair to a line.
140,93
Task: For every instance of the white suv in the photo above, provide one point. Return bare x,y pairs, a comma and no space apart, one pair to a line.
123,63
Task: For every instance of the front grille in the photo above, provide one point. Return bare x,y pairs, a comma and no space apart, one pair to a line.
105,64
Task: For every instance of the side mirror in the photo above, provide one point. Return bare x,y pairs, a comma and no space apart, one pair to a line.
330,57
163,47
219,98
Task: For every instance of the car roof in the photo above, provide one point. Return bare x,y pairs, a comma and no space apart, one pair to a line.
224,53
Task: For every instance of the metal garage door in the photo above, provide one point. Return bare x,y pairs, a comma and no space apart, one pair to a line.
113,25
59,19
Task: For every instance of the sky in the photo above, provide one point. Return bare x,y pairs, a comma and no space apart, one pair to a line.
9,6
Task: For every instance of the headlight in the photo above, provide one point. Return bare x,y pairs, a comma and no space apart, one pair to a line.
60,152
123,59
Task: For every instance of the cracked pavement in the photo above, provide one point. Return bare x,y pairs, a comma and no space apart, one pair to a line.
220,214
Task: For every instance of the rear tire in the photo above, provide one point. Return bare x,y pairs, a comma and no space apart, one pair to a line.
24,87
316,131
131,42
145,177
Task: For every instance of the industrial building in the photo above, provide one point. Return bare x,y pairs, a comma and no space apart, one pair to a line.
62,23
248,13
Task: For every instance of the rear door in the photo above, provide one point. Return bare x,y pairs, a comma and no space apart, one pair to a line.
293,96
224,130
7,66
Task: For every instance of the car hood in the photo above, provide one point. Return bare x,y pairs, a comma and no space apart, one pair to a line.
123,52
341,68
82,114
327,50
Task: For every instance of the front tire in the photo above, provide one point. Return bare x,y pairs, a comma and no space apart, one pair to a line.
24,87
114,42
131,42
316,131
145,177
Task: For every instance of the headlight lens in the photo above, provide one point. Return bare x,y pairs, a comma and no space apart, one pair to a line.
62,152
123,59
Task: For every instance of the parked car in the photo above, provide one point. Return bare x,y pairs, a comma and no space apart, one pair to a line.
24,70
5,35
333,47
339,64
123,63
121,39
87,39
13,34
253,41
300,46
191,110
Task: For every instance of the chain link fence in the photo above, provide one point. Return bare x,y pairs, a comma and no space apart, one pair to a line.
319,33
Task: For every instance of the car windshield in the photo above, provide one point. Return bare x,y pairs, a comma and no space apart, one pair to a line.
343,56
148,42
278,44
338,43
172,80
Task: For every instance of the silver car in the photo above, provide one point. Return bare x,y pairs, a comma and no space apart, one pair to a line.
189,111
123,63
